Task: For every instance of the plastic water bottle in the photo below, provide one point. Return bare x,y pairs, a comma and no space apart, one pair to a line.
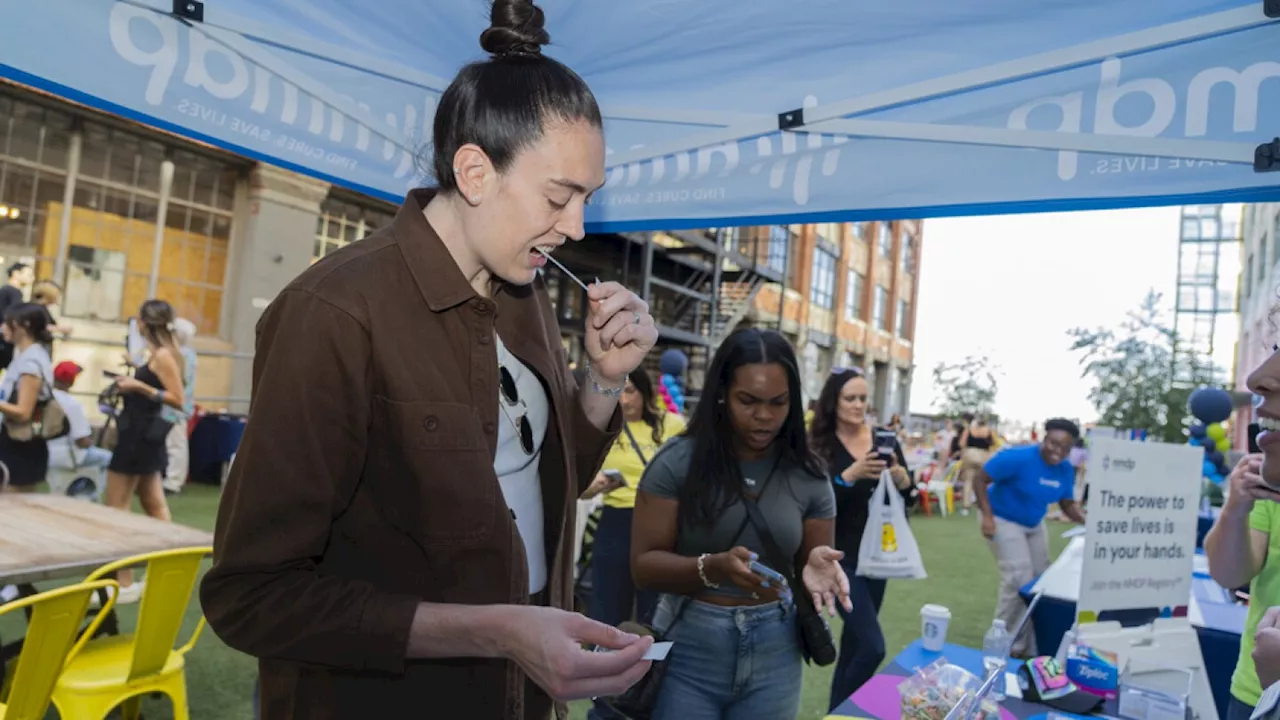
996,645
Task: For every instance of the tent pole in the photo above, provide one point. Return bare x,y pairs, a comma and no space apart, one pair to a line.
1232,152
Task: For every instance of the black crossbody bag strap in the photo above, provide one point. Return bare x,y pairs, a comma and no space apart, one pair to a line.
635,445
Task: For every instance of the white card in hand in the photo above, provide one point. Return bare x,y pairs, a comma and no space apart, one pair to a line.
658,651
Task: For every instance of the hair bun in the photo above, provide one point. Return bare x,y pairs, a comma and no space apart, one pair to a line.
515,28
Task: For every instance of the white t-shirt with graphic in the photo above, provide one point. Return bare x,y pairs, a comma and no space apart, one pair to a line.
517,470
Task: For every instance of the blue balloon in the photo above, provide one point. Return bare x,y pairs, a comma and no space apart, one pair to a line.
1217,459
1209,468
1198,431
1193,441
1217,478
1210,405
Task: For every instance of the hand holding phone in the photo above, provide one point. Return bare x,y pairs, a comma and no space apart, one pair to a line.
886,444
616,480
768,573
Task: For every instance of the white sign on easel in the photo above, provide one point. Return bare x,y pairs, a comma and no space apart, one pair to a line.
1138,554
1143,504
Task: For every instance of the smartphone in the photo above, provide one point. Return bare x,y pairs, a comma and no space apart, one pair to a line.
768,573
886,442
616,480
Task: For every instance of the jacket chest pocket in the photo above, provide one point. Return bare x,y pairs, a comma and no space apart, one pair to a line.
433,471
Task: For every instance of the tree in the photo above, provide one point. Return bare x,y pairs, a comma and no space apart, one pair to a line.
969,386
1133,368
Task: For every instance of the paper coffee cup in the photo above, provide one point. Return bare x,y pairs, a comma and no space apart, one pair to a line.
934,620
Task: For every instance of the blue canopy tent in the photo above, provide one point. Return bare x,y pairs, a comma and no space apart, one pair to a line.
722,112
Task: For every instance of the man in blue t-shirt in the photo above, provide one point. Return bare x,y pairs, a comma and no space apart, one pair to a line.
1023,482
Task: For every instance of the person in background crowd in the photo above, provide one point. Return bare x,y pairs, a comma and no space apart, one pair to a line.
176,443
737,649
843,439
12,294
976,442
47,294
1023,480
395,539
27,382
613,595
75,450
139,458
1238,546
957,435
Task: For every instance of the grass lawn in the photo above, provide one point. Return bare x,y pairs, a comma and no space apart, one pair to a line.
962,576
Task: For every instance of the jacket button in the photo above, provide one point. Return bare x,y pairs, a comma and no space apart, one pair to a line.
431,423
489,428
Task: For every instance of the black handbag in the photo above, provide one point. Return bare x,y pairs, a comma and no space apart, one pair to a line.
816,642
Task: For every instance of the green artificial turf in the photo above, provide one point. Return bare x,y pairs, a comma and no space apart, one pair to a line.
962,576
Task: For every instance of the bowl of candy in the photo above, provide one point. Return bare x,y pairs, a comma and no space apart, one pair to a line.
937,688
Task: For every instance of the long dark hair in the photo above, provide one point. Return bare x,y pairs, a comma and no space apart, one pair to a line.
33,318
823,432
503,104
649,412
715,479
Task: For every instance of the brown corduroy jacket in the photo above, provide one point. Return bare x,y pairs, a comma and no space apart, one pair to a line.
364,483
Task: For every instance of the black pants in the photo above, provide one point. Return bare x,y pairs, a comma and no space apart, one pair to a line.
613,594
861,641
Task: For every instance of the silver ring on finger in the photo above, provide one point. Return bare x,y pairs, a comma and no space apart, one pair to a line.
637,318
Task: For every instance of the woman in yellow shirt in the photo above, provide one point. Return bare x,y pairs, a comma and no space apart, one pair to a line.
647,428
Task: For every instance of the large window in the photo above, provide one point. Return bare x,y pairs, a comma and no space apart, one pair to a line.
885,240
880,309
853,296
34,144
342,222
822,286
904,316
908,254
859,230
779,242
115,218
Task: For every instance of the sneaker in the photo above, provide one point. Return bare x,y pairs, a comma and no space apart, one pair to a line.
964,512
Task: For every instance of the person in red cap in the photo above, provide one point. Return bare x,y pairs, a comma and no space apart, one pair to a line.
74,455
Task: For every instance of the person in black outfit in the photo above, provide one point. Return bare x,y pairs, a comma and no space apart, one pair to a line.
20,276
843,439
140,456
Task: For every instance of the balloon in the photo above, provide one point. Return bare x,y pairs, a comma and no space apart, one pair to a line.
1224,444
1208,468
1197,431
1216,432
1216,458
1210,405
1217,478
1193,441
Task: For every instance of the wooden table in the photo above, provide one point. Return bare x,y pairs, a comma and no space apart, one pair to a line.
52,536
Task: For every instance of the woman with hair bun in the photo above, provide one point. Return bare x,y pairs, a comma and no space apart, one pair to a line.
140,456
396,536
27,382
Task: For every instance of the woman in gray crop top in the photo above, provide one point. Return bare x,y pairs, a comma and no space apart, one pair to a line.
737,650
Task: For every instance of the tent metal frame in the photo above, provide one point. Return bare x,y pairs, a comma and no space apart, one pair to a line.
830,118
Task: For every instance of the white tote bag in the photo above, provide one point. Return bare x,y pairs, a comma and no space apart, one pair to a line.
888,549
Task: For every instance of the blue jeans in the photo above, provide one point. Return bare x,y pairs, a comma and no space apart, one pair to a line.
730,663
861,641
1237,710
613,594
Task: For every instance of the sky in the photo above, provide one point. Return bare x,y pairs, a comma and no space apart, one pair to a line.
1010,287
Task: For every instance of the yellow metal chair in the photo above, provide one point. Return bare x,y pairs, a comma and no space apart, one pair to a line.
121,669
50,644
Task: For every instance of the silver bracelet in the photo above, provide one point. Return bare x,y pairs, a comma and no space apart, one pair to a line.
702,571
599,389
